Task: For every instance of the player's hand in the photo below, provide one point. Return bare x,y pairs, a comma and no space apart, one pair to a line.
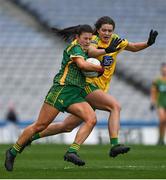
101,72
113,45
152,107
152,37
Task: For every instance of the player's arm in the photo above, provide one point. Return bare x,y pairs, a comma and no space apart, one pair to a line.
86,66
153,97
94,52
154,94
134,47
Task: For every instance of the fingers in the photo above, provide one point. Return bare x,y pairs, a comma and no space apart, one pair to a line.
116,41
152,37
117,49
153,33
113,45
119,41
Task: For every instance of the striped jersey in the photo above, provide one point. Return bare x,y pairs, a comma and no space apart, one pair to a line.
103,82
70,73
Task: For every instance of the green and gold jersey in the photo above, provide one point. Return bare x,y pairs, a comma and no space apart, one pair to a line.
70,73
160,85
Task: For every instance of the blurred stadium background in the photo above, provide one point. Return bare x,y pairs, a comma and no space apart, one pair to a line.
30,56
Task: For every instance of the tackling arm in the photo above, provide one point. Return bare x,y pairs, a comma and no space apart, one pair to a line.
94,52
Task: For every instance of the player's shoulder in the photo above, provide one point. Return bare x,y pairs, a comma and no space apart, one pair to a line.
73,46
118,36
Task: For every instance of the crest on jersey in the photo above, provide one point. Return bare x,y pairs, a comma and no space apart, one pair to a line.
108,60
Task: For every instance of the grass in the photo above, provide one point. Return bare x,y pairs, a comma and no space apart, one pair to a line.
46,161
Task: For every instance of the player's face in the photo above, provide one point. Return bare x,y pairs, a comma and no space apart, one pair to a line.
163,71
105,32
84,40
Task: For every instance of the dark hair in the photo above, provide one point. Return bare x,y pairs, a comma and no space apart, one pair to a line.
103,20
69,33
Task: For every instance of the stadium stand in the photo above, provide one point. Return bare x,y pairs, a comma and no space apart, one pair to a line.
28,60
135,26
29,51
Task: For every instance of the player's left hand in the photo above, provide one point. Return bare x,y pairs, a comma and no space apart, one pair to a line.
113,45
152,37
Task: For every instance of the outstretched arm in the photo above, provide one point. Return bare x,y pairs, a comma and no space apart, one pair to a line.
134,47
94,52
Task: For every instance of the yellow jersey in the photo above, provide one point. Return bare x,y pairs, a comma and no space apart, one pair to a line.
103,82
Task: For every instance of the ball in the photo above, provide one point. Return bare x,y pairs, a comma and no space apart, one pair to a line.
92,73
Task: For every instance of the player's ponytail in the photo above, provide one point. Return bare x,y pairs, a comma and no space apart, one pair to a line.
69,33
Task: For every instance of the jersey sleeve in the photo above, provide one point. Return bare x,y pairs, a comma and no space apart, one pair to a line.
76,51
155,83
123,44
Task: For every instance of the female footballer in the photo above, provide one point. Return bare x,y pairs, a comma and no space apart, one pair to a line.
64,95
158,100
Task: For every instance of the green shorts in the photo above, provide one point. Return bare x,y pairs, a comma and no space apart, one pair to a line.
61,97
89,88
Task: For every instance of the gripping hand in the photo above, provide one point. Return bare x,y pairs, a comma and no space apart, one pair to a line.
113,45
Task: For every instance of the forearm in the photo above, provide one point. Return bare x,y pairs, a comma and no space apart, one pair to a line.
153,99
153,96
91,67
93,52
141,45
134,47
87,66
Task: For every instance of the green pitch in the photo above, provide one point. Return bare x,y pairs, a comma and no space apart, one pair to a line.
46,161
